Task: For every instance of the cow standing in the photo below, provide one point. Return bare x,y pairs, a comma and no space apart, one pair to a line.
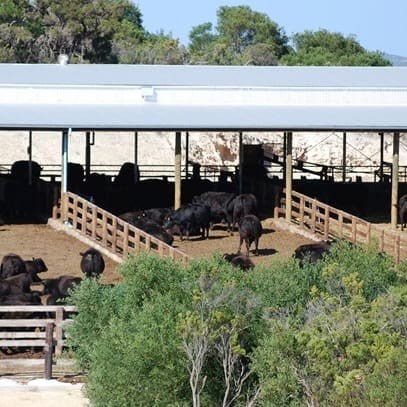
92,263
250,230
402,207
220,204
243,204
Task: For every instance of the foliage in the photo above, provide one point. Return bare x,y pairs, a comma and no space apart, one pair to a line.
334,349
325,48
330,333
241,37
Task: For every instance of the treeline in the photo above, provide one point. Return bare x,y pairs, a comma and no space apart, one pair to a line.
332,333
111,31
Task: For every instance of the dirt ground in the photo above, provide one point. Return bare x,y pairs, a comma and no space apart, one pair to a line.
60,251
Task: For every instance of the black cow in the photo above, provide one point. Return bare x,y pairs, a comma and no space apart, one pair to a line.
153,229
34,267
221,205
250,230
60,286
311,252
402,207
239,261
21,299
243,204
190,218
20,283
20,170
11,265
158,215
92,263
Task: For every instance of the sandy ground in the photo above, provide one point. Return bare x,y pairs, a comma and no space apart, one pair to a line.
41,393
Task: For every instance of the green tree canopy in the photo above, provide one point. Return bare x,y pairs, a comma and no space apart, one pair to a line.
39,30
325,48
241,37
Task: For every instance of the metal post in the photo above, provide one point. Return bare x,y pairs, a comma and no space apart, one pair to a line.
344,158
284,155
241,159
30,158
381,157
186,153
136,172
395,180
177,170
64,174
87,155
289,175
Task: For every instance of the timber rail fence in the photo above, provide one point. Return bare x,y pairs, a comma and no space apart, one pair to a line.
328,222
109,231
34,326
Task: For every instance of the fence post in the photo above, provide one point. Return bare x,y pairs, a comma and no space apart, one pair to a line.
353,229
48,350
59,317
301,212
313,214
326,223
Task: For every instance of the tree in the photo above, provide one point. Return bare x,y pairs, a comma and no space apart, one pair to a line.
40,30
325,48
239,36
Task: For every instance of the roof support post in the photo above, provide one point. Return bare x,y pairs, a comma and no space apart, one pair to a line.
288,175
381,175
344,158
241,159
136,171
64,171
87,155
186,153
395,180
177,171
30,158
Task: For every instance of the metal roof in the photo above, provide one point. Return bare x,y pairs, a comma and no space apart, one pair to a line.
156,97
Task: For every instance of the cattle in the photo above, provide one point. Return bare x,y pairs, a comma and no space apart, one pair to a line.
402,208
20,170
11,265
243,204
158,215
220,204
128,175
312,252
153,229
190,218
60,286
250,230
34,267
92,263
239,261
21,299
20,283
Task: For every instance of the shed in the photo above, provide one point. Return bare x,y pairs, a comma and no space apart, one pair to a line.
186,98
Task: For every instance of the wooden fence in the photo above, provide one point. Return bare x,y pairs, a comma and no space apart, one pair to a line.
109,231
329,222
18,327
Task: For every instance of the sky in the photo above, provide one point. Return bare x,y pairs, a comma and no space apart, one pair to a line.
378,25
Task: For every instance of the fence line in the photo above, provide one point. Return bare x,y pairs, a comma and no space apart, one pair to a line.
18,328
327,221
109,231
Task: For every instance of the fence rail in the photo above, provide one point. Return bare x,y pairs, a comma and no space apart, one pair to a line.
18,328
327,221
109,231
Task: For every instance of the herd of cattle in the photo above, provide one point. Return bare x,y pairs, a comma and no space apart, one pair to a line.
18,277
199,216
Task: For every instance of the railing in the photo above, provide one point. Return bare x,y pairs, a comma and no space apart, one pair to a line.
327,221
109,231
19,329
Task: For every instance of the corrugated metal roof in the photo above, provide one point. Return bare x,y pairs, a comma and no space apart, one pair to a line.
202,97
